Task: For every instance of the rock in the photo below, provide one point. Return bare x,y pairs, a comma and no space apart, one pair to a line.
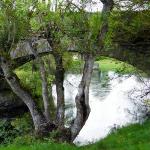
3,85
23,48
10,105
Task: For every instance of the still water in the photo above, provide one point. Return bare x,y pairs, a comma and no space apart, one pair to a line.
110,102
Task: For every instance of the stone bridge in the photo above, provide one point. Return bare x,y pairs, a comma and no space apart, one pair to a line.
9,102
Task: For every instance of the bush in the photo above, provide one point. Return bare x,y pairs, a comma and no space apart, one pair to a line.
23,124
7,132
25,140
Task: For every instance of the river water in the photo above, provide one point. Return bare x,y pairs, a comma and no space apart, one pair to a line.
111,103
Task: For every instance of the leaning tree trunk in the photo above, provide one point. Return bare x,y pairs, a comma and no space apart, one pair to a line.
107,8
38,118
45,95
59,79
59,73
82,97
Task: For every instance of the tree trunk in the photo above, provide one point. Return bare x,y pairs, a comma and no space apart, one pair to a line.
40,123
107,7
82,97
59,79
52,103
45,95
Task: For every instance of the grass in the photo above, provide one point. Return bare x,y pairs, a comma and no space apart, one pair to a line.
109,64
132,137
40,146
105,65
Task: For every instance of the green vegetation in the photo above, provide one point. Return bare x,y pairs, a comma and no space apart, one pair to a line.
7,132
105,64
132,137
128,30
109,64
30,78
75,66
11,129
67,26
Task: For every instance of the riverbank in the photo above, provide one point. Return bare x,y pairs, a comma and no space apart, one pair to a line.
132,137
105,64
109,64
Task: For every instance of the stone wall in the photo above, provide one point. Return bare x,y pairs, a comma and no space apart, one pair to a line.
10,104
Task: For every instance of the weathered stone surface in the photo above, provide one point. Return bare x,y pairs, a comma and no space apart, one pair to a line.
3,85
23,48
10,105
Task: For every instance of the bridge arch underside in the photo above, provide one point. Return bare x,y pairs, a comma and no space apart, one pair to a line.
137,54
138,59
11,103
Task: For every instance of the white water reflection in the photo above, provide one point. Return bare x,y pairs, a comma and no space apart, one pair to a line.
109,103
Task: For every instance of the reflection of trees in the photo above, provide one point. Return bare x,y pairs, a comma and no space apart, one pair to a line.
140,97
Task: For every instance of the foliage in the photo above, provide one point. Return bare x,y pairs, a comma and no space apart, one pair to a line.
25,140
14,24
14,128
7,132
23,124
67,60
72,64
76,66
31,79
127,28
131,137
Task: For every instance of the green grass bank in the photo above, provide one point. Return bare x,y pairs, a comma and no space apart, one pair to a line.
132,137
110,64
